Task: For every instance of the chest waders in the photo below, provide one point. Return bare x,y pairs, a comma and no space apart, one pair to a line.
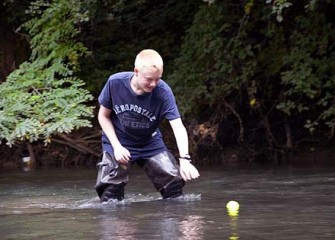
162,169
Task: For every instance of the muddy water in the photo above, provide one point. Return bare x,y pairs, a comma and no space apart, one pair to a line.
284,203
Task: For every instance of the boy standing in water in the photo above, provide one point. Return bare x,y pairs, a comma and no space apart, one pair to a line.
132,104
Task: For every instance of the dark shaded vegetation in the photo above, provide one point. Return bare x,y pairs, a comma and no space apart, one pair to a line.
254,80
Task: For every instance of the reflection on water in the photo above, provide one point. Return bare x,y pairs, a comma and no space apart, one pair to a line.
233,227
274,204
144,224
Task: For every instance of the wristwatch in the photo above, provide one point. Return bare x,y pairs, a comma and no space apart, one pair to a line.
186,157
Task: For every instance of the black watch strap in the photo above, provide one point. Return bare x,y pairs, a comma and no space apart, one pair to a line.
186,157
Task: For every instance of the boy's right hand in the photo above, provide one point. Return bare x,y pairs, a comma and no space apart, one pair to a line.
121,154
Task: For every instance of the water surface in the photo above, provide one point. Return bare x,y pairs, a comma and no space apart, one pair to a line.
284,203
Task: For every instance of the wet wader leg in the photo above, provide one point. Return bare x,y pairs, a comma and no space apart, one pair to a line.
113,191
163,171
112,178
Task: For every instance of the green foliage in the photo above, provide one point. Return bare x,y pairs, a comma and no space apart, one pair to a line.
267,65
14,11
119,29
278,6
44,97
215,59
262,67
309,70
196,61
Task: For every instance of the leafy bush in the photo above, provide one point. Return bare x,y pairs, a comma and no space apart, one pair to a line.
44,97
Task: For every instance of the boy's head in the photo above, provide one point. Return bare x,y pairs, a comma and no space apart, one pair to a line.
150,59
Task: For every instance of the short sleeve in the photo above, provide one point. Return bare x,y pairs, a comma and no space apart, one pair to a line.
170,109
105,97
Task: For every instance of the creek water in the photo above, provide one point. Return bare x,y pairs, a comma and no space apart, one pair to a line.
275,203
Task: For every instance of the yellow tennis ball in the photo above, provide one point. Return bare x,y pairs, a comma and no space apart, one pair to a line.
233,206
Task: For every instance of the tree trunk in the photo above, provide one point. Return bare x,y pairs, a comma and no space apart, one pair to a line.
32,162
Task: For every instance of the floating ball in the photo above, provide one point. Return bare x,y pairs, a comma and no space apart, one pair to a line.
232,208
233,205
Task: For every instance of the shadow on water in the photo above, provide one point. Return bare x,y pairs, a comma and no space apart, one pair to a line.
284,203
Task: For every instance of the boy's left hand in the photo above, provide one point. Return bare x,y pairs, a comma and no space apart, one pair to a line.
187,170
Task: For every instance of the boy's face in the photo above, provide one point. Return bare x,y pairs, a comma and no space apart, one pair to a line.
148,78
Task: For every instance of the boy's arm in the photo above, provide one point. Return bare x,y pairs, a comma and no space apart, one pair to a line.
187,170
121,154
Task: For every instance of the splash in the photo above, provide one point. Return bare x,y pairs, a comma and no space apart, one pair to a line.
133,198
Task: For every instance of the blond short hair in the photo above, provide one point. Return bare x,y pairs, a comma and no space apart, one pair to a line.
149,58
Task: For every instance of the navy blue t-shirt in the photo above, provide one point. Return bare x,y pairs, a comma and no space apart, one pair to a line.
135,117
